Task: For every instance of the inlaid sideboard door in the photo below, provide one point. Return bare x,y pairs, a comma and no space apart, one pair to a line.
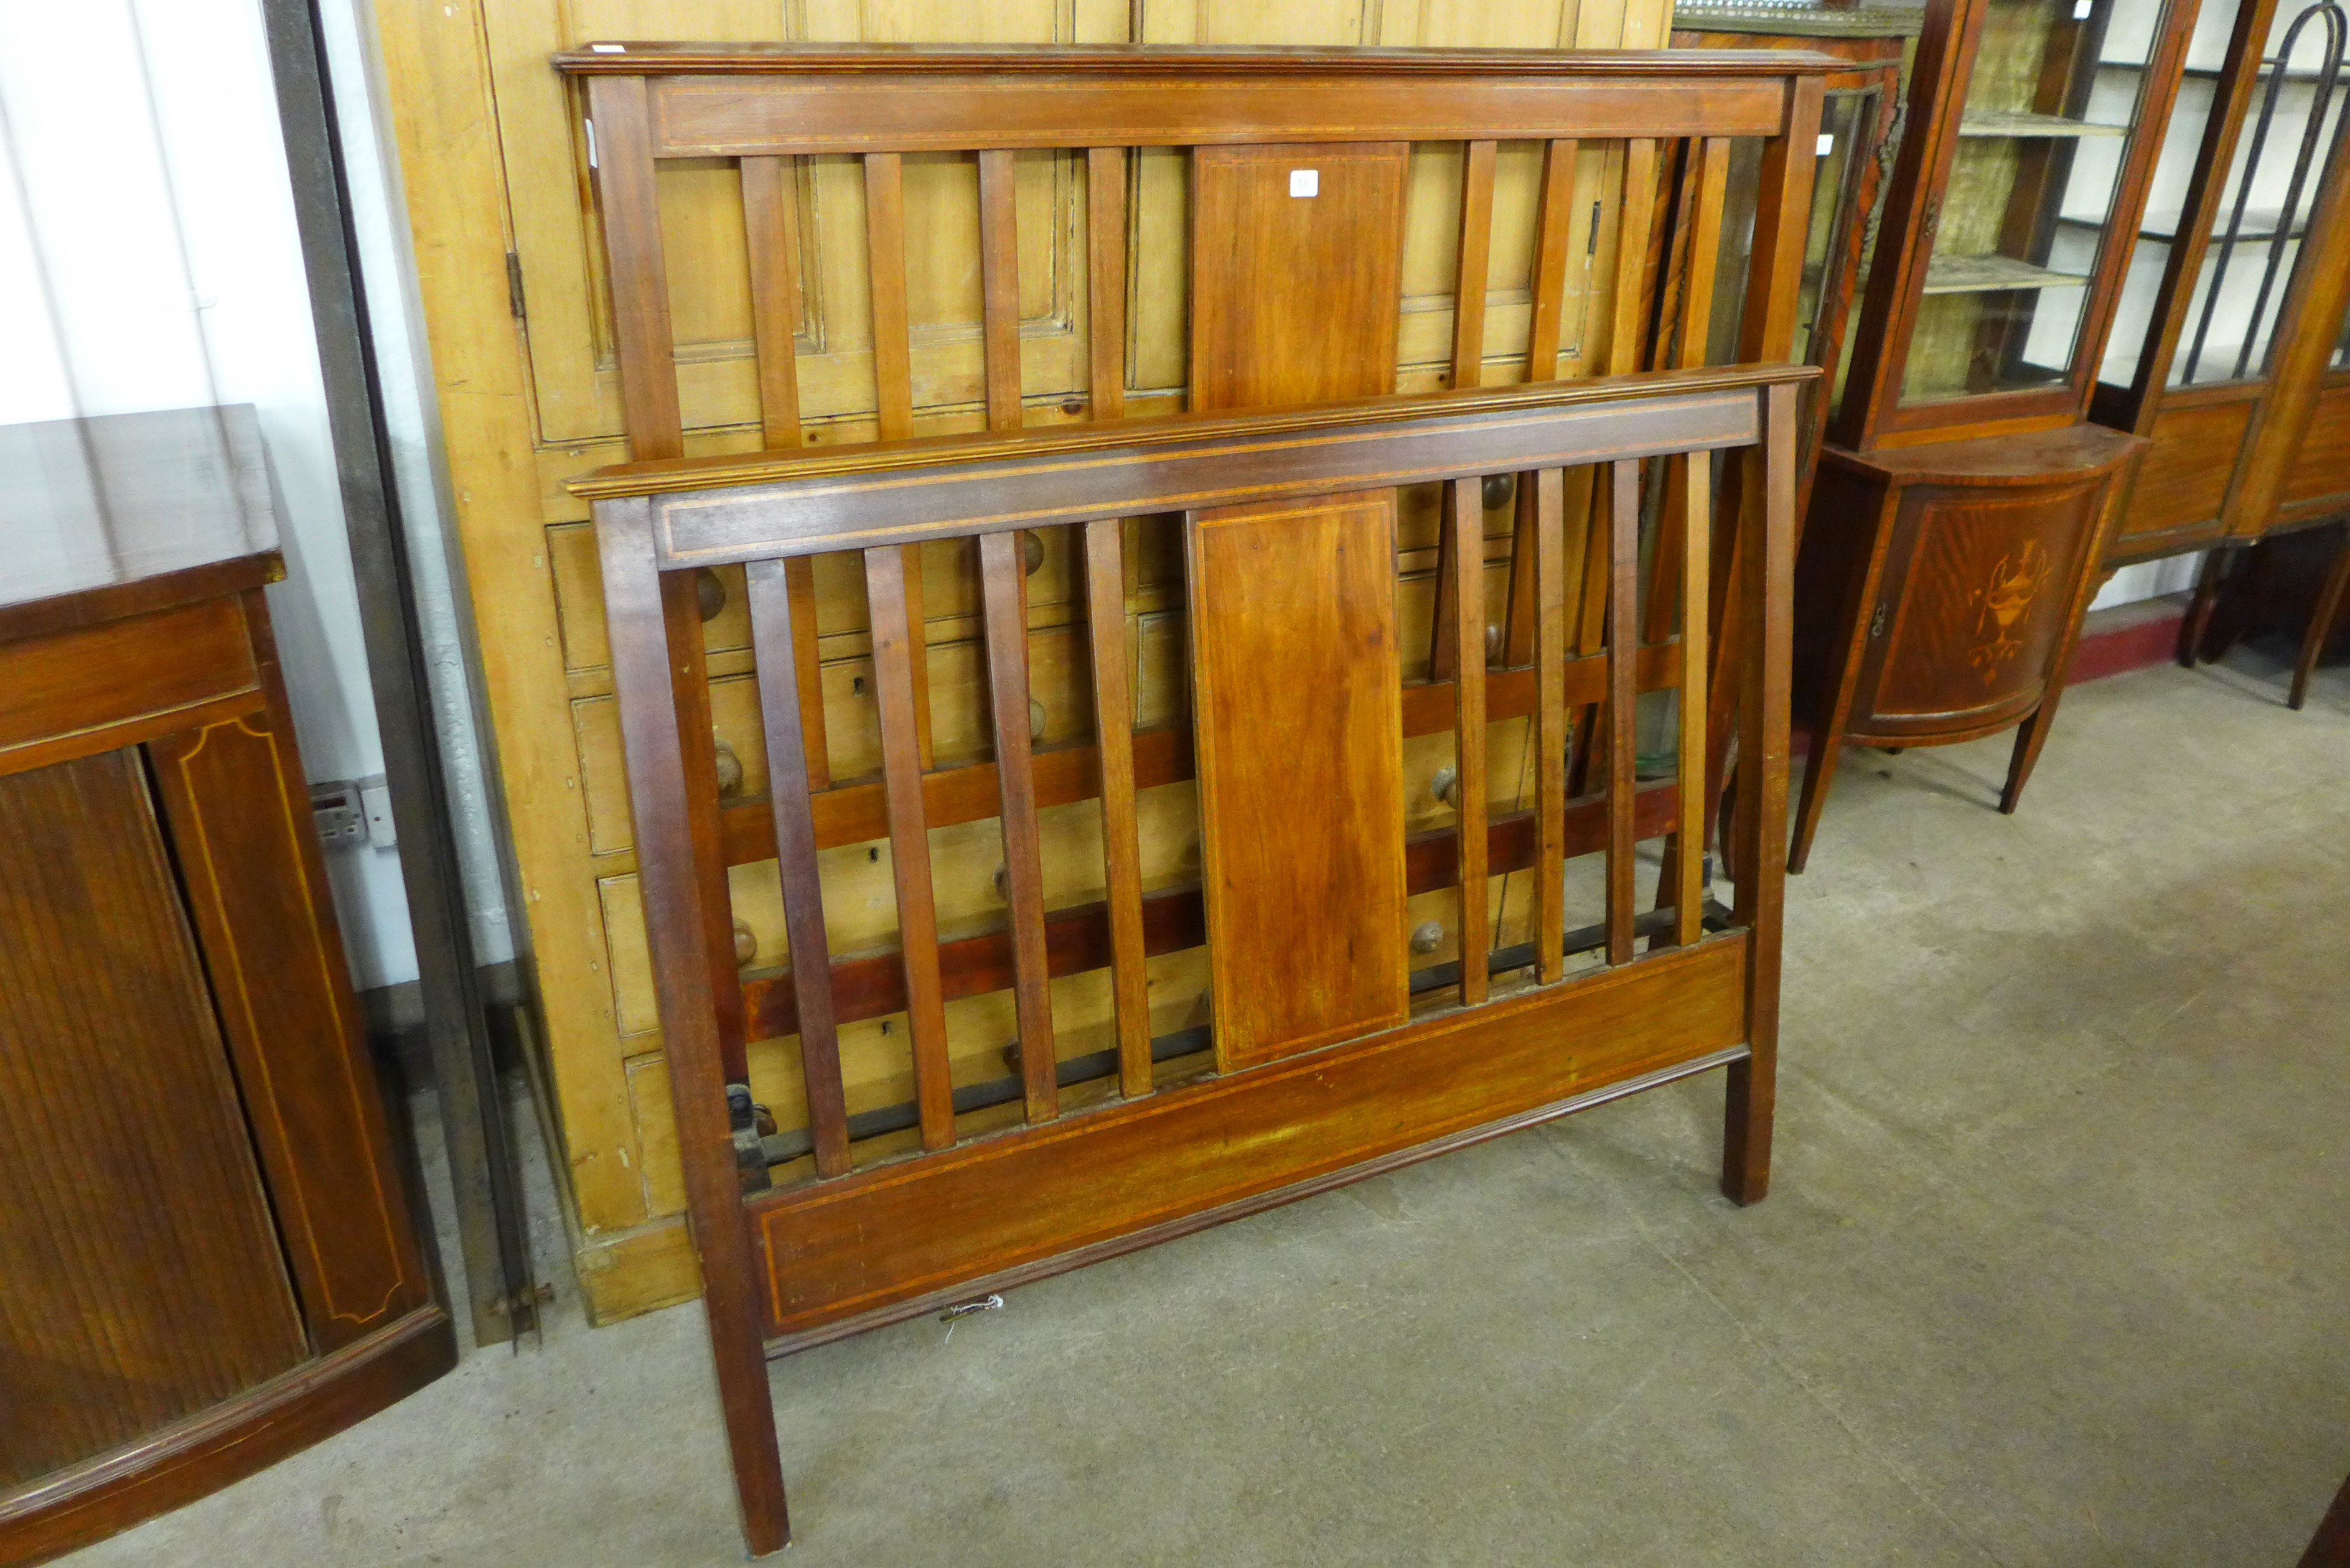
140,1278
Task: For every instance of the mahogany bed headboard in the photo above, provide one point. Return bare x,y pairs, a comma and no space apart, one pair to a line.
1326,1054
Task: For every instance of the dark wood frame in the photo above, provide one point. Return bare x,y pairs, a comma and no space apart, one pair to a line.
1874,63
851,1249
112,667
1870,414
2253,459
1137,1170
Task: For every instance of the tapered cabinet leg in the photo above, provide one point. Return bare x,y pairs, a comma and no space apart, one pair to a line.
1819,772
2197,621
2029,738
2321,624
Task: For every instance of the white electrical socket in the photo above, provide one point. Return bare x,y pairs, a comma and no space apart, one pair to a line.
335,807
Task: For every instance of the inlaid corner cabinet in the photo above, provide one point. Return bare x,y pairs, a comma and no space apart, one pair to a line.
1954,532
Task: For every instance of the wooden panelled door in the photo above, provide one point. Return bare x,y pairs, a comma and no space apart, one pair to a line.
106,1337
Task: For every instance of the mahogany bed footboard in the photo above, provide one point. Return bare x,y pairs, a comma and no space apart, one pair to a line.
1321,1049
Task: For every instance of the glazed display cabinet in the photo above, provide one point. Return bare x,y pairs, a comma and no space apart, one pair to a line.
2227,336
1956,521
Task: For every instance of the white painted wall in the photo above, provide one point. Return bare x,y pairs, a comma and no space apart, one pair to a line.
149,259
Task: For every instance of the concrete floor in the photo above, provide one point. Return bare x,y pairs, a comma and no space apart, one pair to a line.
2056,1269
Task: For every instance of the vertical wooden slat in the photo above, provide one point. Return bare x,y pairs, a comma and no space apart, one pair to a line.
1003,581
774,639
1709,190
1767,592
1121,841
771,226
999,284
682,622
1105,624
1106,279
632,240
1469,730
799,581
1461,529
642,679
893,384
1688,861
1623,697
1550,723
885,246
894,653
1473,259
1766,333
1632,295
1552,223
1634,299
1705,249
771,229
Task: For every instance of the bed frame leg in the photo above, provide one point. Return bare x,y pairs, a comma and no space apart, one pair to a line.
744,1394
1746,1128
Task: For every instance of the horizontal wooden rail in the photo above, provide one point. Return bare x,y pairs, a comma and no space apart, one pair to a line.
1077,938
910,465
1189,61
859,813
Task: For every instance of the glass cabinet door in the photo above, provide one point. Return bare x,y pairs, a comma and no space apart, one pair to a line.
2052,98
2290,137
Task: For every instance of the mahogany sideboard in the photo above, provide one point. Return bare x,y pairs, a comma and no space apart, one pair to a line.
208,1259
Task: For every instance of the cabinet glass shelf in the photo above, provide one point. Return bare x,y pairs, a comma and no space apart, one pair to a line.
2043,134
2017,123
2258,226
1981,273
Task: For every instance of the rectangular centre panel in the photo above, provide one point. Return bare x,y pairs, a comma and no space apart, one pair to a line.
1298,712
1296,272
1298,700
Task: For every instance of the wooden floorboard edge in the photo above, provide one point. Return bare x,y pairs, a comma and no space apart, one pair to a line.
783,1345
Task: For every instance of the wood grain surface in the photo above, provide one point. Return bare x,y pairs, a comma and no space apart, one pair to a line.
902,1231
1294,297
130,1302
1293,614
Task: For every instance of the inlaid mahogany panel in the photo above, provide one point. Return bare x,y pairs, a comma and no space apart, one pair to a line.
893,1233
130,1295
1984,603
1292,616
1295,272
240,820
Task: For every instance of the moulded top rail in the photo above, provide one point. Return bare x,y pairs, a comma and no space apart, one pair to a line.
707,100
713,510
668,58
